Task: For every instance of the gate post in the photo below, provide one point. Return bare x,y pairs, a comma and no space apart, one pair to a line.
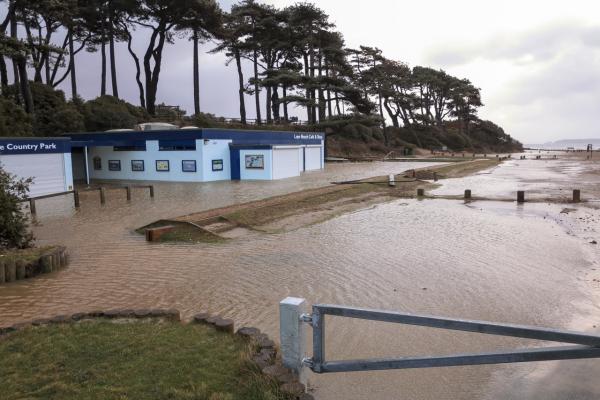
292,333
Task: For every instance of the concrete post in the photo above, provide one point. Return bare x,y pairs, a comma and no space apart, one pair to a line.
128,189
32,209
392,180
102,195
521,196
576,196
420,192
467,193
76,198
292,333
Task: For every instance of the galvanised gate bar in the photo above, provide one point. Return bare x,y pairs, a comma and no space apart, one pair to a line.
294,321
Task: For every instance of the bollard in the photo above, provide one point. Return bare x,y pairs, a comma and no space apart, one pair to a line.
467,193
497,156
485,156
473,155
576,196
435,178
2,271
21,270
420,192
76,198
128,189
414,173
11,270
521,196
102,195
151,187
32,209
392,180
292,334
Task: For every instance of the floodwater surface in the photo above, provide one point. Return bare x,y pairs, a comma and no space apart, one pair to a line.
484,260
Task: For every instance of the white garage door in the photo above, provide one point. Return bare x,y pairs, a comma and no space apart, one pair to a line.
286,162
47,171
313,158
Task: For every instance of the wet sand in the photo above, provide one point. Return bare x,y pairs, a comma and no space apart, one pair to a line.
496,261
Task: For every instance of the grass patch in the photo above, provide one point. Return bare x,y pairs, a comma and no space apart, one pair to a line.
134,360
28,255
183,232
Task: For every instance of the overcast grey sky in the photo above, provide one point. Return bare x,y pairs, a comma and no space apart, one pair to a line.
537,62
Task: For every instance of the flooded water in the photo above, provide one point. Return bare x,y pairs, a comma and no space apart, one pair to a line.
496,261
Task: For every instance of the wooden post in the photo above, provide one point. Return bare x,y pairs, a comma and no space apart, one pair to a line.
414,173
2,271
521,196
11,270
20,269
46,263
76,198
102,195
32,207
435,177
576,196
420,192
151,187
467,193
128,189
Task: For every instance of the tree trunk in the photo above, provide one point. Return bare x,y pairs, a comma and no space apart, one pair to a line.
313,97
15,63
3,74
241,91
137,69
307,75
275,103
392,115
321,92
196,74
256,88
113,62
24,83
285,104
152,85
72,67
103,71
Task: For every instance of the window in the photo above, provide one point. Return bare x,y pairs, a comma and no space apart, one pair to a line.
137,165
217,165
114,165
162,165
255,161
188,165
97,163
177,145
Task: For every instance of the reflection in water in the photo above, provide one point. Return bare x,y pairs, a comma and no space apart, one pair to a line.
436,257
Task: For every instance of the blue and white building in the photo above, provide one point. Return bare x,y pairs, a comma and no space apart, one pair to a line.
183,155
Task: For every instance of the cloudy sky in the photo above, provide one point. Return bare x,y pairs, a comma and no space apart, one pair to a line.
537,62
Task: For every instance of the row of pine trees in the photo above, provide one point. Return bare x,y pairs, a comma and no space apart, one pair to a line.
294,56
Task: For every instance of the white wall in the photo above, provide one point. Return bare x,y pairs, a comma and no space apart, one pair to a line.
150,156
258,174
216,150
313,158
286,162
51,173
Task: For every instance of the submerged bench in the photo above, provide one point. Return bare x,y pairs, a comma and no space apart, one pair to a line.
154,234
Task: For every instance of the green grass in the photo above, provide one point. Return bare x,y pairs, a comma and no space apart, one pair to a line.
183,232
28,255
133,360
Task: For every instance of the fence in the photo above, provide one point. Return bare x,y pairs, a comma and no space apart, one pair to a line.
293,322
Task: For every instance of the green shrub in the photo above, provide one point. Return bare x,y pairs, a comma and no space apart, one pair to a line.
14,231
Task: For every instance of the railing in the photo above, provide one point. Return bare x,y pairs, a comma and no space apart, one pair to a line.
293,322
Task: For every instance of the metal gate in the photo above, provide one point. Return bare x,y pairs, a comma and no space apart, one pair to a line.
293,323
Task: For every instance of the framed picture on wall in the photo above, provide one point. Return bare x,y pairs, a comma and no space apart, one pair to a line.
97,163
114,165
162,165
188,165
255,161
137,165
217,165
